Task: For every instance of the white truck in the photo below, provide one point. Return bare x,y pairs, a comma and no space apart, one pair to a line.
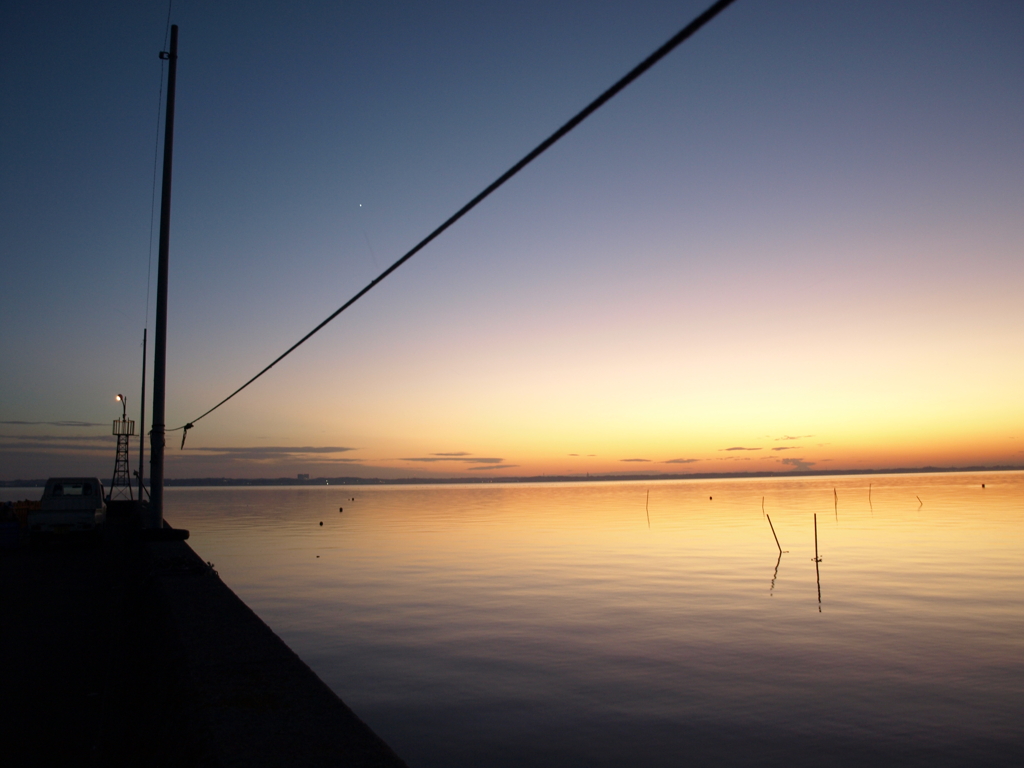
69,505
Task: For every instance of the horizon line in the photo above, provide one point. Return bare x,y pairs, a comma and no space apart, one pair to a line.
606,477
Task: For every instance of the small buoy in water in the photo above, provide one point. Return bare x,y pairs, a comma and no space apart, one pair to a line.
318,557
709,498
982,485
341,509
321,523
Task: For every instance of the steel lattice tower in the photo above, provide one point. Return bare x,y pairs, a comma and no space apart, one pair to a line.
121,484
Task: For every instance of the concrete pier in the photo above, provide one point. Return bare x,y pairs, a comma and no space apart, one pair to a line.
125,652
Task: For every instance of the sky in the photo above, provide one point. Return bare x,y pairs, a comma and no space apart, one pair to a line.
796,243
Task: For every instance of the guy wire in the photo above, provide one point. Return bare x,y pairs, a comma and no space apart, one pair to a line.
676,40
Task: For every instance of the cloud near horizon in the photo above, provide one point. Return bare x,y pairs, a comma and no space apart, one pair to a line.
261,449
798,463
32,443
786,448
197,453
59,438
310,459
453,457
496,466
680,461
739,448
792,437
634,459
319,454
54,423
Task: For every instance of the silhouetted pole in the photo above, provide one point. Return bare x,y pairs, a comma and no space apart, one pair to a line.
156,473
142,419
773,533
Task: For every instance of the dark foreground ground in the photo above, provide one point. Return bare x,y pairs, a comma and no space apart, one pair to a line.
123,652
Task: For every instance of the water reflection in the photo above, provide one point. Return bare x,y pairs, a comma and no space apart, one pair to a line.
817,559
775,575
817,578
539,625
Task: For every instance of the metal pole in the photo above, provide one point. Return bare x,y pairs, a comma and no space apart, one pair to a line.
156,474
142,419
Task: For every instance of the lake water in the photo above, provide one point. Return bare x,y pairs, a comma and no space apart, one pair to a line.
583,625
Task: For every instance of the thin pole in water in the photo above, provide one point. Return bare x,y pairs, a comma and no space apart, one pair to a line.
773,533
647,506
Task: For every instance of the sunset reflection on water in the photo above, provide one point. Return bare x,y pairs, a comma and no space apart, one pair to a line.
551,624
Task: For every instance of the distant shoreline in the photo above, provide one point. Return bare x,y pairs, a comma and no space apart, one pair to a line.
228,482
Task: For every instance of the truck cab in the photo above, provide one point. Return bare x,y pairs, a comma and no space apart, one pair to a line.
69,505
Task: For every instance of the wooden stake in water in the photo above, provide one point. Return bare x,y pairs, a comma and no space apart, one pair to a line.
773,533
647,506
816,558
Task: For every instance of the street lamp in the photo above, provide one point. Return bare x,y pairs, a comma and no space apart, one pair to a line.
124,406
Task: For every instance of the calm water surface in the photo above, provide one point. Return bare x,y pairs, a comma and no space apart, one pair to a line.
565,624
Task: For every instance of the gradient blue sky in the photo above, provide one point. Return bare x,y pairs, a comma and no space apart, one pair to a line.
806,222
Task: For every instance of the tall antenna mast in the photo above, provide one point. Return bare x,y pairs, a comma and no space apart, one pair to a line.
156,436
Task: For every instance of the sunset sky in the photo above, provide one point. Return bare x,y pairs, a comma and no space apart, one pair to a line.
796,243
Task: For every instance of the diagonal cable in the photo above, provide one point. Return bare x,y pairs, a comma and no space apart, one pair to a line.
676,40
